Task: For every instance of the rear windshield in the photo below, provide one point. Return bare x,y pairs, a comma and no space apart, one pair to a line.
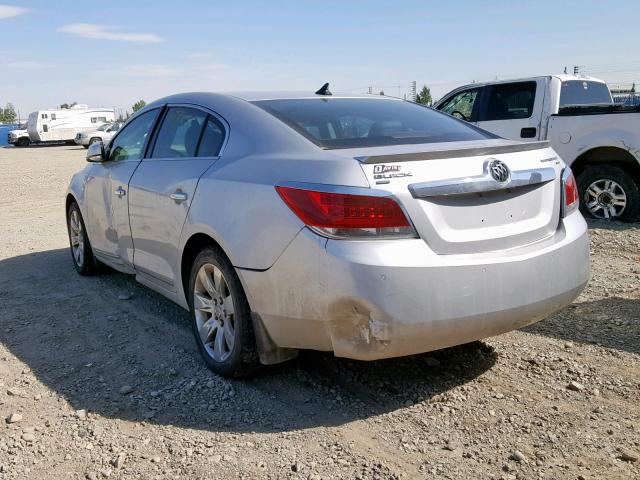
579,92
368,122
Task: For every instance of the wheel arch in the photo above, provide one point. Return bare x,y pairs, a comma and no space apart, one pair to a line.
192,247
608,155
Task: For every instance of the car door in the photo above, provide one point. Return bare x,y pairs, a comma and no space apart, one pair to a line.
463,104
187,143
106,192
512,110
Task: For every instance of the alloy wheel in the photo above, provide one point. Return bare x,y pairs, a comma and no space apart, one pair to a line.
214,312
77,237
605,198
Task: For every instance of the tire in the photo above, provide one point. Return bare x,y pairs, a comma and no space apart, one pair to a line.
79,246
23,142
213,325
609,192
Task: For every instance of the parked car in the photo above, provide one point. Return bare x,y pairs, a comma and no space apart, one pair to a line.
102,134
367,226
19,137
600,140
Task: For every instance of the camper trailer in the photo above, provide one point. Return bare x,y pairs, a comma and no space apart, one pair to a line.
62,125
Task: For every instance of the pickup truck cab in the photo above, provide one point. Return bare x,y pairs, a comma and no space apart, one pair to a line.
600,140
19,137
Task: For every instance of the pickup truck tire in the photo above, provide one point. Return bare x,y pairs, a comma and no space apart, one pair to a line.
608,192
23,142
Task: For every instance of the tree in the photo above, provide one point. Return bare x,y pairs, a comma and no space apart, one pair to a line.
8,114
64,106
424,96
138,105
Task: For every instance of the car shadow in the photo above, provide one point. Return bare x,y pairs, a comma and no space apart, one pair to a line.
611,322
87,338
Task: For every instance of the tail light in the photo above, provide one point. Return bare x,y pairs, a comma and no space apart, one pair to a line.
570,197
341,215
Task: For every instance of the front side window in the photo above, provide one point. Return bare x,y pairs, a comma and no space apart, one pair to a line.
509,101
130,142
579,92
461,105
102,128
179,134
368,122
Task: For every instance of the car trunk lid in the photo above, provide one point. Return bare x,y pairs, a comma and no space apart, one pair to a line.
472,197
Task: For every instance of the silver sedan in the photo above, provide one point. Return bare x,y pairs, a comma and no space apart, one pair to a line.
363,225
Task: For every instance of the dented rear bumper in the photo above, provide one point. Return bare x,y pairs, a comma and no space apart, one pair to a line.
378,299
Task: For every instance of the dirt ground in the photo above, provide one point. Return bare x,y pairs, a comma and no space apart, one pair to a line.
94,384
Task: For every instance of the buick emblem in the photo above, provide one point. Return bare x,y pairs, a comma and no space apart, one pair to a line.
499,171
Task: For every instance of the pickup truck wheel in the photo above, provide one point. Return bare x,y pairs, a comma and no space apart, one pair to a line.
608,192
221,317
23,142
81,251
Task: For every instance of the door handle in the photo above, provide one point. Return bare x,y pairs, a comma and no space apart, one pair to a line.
178,196
121,192
528,132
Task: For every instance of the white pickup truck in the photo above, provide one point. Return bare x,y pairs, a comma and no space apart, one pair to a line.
600,140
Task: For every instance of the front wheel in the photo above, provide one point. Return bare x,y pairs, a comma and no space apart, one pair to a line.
221,317
23,142
81,251
608,192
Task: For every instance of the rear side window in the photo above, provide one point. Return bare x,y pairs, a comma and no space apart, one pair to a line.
368,122
180,133
130,142
509,101
579,92
212,139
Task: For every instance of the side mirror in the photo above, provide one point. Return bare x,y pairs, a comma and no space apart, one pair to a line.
96,152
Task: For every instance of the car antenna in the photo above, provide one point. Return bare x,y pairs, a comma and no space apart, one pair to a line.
324,90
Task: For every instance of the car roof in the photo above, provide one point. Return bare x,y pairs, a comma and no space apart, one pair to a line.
252,96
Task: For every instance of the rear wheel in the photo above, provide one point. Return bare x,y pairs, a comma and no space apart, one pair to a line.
221,317
608,192
81,251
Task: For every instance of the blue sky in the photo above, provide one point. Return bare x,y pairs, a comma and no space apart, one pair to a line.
115,52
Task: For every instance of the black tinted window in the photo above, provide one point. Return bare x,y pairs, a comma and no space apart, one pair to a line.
579,92
509,101
180,133
130,142
368,122
212,139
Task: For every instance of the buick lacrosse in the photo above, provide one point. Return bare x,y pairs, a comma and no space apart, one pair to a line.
368,226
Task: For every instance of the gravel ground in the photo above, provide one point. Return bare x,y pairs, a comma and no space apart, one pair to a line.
100,378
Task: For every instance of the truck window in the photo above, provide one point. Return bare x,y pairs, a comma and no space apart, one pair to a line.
461,104
580,92
509,101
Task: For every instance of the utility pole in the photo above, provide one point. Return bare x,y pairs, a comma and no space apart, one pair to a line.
370,90
413,91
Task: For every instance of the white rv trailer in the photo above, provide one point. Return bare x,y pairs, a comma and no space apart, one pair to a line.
62,125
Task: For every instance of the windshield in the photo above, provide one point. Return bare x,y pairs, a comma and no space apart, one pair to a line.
102,128
579,92
368,122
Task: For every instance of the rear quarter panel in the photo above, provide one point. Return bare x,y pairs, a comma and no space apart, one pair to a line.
571,136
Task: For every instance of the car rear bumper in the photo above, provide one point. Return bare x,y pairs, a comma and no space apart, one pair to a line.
378,299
